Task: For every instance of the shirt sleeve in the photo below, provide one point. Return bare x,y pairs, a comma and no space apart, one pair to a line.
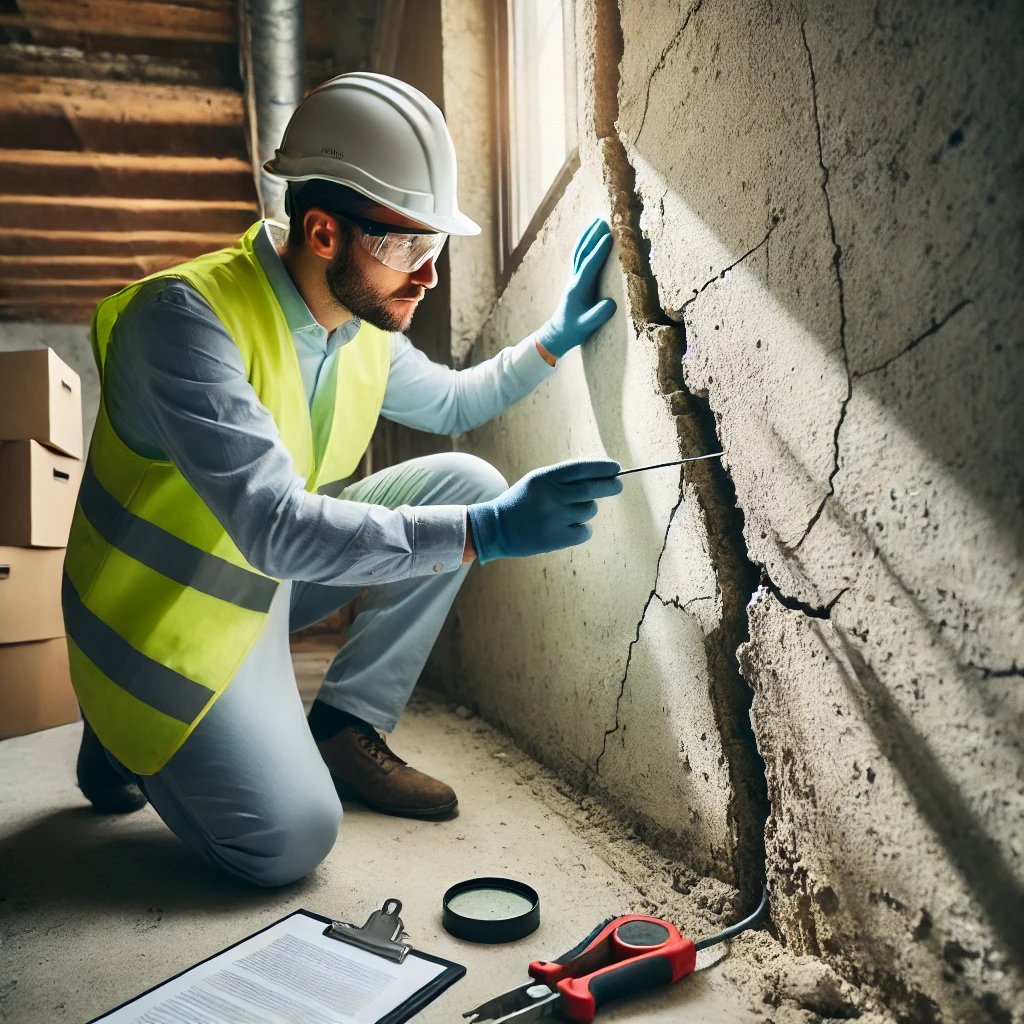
428,396
176,389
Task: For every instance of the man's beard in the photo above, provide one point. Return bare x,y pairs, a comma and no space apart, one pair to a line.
363,301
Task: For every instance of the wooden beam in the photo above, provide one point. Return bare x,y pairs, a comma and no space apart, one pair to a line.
98,213
127,176
185,19
61,244
165,203
212,65
119,117
29,302
83,268
58,132
21,290
74,312
120,101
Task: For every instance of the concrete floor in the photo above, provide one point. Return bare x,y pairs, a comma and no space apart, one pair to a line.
94,910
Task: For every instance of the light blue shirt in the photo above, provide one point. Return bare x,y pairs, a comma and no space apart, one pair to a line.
175,388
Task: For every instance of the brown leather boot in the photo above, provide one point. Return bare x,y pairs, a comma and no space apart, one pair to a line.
362,763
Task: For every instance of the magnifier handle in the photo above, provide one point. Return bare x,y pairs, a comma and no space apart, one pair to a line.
599,949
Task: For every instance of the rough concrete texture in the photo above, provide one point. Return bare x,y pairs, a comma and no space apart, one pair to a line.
71,343
589,657
832,197
98,909
562,687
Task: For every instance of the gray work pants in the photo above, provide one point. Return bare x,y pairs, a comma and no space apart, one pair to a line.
248,789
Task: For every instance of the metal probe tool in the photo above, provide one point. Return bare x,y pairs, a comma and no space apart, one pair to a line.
662,465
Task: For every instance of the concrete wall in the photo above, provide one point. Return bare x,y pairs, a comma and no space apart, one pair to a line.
818,215
71,343
613,662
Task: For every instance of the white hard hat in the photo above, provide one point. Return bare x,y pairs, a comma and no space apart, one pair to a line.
382,138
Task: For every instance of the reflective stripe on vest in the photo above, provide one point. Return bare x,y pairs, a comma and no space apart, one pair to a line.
161,607
145,679
167,554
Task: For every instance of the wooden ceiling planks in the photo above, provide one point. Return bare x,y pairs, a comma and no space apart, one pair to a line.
82,268
55,243
211,20
122,146
102,213
99,57
120,117
126,176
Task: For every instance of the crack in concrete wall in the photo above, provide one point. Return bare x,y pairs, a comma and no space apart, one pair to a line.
578,704
997,673
706,495
674,602
669,47
736,574
936,326
794,604
837,256
636,639
677,314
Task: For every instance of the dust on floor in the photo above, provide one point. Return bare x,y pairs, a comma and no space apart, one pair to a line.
94,910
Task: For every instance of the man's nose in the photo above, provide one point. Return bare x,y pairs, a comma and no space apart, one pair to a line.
425,276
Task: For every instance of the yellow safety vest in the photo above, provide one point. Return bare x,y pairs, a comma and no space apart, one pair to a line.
160,607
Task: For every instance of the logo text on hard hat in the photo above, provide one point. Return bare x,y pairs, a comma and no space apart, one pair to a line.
331,151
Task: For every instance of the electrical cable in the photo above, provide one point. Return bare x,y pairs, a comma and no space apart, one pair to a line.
713,940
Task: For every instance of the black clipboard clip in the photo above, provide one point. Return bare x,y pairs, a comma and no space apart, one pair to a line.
381,935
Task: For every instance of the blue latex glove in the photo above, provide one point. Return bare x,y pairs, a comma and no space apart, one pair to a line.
546,510
580,312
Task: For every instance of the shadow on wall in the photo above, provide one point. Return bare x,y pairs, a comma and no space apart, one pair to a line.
973,847
939,799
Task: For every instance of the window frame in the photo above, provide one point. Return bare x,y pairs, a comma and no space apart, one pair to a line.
511,256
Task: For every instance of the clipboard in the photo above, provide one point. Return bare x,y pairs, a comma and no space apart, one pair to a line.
447,976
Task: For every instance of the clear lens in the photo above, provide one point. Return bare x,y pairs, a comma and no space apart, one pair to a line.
403,252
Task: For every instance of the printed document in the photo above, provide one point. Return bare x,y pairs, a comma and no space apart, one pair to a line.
289,974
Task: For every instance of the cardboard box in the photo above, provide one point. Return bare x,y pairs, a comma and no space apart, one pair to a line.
30,594
38,491
41,400
35,687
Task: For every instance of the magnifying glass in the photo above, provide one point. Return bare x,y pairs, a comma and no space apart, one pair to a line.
491,910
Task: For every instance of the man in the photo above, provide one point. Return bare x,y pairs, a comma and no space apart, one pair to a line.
237,390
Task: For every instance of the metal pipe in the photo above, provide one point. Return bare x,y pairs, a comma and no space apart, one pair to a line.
275,82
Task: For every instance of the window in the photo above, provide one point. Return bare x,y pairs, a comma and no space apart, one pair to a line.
537,116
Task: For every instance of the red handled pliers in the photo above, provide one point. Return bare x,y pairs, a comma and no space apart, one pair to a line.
621,957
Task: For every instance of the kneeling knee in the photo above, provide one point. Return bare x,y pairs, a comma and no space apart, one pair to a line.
290,846
482,478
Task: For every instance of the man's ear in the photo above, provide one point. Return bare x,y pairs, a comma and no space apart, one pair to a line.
323,233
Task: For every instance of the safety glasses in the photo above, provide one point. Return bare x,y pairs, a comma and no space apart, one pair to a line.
404,251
